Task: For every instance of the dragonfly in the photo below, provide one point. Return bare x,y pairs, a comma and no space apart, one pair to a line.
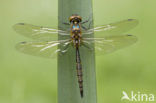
107,38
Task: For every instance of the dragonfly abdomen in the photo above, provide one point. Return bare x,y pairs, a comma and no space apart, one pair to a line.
79,71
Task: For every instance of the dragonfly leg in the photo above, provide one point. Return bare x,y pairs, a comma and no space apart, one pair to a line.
66,23
89,19
89,26
84,27
85,21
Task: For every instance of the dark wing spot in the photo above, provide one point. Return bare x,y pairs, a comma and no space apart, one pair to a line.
21,23
129,35
130,19
23,42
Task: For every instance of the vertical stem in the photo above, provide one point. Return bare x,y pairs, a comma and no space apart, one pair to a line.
68,88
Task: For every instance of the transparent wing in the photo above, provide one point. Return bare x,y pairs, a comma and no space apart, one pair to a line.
38,32
110,44
47,49
113,29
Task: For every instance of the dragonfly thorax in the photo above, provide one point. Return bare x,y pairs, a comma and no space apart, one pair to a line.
76,34
76,38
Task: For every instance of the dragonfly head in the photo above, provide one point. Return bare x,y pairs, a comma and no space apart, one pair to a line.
75,19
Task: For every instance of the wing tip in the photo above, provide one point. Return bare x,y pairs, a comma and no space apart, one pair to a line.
133,36
134,20
16,25
19,24
129,35
131,19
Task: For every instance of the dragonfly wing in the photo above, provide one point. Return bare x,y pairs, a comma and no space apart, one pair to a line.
47,49
113,29
110,44
38,32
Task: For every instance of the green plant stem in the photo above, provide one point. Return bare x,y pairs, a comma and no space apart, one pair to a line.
68,88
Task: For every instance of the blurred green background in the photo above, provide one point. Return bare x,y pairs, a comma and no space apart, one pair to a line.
29,79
